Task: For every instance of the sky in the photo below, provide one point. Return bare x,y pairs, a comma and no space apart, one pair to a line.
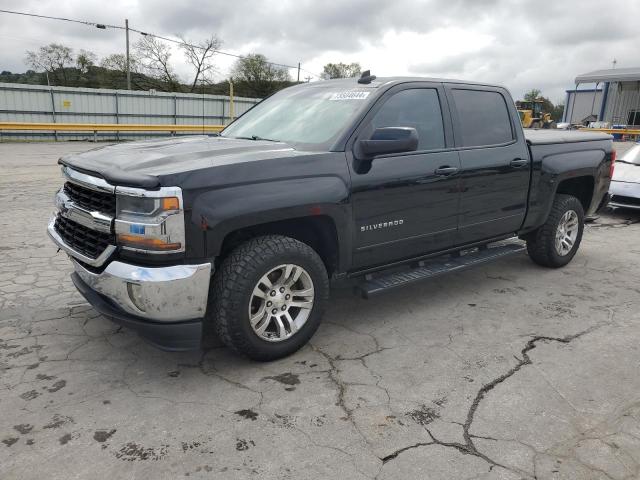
521,44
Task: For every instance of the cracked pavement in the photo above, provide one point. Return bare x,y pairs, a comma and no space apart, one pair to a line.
508,371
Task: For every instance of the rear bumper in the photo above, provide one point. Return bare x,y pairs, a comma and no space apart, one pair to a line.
165,305
625,195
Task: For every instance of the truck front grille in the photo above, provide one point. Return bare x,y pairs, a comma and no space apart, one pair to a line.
90,199
82,239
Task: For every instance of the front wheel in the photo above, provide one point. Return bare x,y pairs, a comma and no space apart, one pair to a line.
268,297
556,242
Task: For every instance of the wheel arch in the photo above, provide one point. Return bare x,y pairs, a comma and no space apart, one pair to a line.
319,232
580,187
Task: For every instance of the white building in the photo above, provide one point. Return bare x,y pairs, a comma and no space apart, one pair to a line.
611,96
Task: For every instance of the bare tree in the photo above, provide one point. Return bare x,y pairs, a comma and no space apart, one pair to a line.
54,59
200,56
115,61
154,57
260,77
116,64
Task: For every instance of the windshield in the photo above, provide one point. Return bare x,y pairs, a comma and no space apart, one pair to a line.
632,156
308,118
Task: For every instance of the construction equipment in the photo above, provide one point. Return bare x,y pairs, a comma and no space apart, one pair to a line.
532,116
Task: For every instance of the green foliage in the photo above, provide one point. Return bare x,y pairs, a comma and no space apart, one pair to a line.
85,59
342,70
256,76
150,68
532,95
557,112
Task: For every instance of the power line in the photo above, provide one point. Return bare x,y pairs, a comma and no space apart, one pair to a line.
92,24
104,26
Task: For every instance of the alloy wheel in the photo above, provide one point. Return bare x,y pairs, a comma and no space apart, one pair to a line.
281,302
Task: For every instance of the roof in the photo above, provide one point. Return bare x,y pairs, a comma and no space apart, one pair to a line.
584,90
379,81
610,75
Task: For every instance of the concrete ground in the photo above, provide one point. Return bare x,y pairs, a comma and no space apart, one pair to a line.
507,371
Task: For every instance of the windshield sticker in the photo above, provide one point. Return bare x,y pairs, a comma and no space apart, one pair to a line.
349,95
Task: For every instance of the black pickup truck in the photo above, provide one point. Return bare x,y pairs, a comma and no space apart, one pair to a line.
377,182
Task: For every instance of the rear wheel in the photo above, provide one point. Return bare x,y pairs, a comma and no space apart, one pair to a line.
556,242
268,297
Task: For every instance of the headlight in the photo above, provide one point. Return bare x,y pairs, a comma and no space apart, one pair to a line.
150,221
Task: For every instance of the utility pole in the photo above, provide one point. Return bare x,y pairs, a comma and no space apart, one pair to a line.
126,27
308,79
298,72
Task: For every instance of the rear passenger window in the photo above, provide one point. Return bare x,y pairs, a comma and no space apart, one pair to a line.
418,108
484,118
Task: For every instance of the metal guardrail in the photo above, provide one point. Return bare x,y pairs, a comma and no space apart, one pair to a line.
106,127
620,131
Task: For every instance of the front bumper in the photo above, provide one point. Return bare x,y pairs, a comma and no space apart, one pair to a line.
165,305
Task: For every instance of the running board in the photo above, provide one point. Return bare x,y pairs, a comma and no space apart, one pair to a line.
375,284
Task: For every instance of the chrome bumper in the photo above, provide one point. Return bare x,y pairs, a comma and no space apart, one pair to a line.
158,294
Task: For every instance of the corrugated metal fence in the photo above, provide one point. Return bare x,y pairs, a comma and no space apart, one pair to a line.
37,103
623,104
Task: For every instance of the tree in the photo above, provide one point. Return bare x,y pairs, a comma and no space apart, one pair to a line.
199,56
532,95
54,59
154,57
557,112
258,76
341,70
85,59
115,61
115,66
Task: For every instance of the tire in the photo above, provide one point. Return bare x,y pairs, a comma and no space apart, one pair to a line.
541,244
233,300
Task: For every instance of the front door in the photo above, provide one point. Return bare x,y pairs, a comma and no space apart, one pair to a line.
406,204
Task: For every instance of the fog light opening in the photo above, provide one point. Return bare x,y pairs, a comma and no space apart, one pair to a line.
135,295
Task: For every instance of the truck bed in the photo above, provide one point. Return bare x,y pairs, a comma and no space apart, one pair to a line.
545,137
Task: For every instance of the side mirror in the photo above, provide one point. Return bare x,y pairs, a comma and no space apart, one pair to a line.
389,140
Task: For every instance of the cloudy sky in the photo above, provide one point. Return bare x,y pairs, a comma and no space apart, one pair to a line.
522,44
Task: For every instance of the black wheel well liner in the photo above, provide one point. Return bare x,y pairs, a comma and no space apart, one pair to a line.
580,187
318,231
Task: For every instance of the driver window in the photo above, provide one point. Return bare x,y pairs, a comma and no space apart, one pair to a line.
418,108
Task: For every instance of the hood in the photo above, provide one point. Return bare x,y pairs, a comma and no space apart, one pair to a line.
143,163
625,172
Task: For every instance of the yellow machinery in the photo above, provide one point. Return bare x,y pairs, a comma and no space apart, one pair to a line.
532,116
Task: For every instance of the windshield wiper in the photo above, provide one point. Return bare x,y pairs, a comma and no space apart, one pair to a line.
256,137
624,161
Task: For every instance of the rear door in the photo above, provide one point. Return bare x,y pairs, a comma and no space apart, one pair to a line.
495,166
403,204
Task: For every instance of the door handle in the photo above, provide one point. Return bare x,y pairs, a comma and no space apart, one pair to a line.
446,171
519,162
